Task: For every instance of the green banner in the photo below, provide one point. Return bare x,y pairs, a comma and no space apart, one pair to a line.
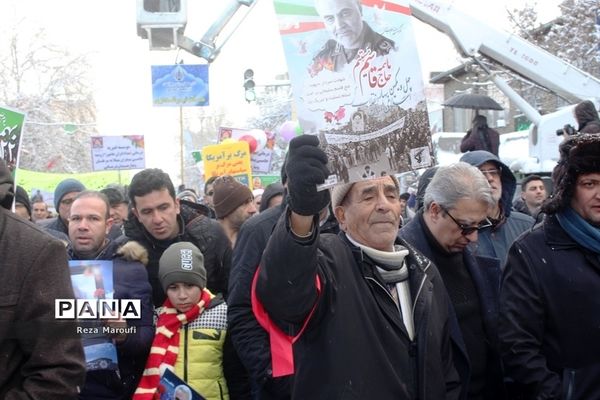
46,182
11,126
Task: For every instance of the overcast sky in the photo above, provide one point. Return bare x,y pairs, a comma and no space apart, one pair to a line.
122,60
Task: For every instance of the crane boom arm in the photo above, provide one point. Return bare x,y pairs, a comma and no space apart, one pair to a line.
472,37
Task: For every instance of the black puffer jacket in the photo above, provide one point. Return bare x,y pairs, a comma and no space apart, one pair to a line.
195,227
549,321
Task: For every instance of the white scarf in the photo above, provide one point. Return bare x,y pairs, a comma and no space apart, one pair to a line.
394,271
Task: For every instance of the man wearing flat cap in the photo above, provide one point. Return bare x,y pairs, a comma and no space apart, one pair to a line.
234,204
549,305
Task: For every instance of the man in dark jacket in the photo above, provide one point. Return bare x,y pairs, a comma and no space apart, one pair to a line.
480,137
89,224
455,206
250,339
587,117
40,357
64,193
533,194
369,314
507,224
159,219
549,320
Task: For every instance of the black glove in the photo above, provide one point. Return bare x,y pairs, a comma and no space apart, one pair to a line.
306,167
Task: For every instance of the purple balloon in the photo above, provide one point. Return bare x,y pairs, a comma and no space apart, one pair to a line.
289,130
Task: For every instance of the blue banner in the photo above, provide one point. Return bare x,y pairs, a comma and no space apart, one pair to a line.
180,85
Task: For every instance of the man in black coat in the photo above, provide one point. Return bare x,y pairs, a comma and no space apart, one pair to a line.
158,219
250,339
41,357
368,314
456,203
549,321
89,225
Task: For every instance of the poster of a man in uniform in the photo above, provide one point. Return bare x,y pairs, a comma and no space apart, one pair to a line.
357,83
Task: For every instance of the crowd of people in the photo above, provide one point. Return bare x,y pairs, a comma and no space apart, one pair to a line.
330,294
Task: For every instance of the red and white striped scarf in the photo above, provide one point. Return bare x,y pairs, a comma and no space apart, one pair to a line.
163,353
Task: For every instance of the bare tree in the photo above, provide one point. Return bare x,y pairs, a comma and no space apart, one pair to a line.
54,88
201,128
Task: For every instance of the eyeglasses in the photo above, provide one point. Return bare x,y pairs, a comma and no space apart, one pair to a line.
494,172
67,202
466,230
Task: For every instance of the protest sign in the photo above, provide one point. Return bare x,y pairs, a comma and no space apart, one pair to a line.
269,156
11,128
171,387
92,281
360,90
118,152
228,159
180,85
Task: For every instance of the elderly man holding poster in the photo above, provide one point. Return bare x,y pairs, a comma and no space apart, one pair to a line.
368,313
344,21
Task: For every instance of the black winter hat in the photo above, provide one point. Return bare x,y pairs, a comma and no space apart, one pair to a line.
274,189
579,154
22,197
424,180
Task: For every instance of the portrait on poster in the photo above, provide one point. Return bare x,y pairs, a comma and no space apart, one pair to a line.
357,83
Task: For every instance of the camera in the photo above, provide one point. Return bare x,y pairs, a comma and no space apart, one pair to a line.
568,129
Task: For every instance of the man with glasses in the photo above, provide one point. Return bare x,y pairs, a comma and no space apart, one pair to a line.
64,194
456,205
507,224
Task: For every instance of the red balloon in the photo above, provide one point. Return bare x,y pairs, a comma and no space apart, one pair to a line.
252,143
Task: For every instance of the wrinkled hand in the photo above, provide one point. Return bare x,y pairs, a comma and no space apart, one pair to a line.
306,167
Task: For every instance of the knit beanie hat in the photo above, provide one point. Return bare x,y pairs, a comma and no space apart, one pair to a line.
579,154
22,197
274,189
424,180
64,187
229,195
339,192
182,262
